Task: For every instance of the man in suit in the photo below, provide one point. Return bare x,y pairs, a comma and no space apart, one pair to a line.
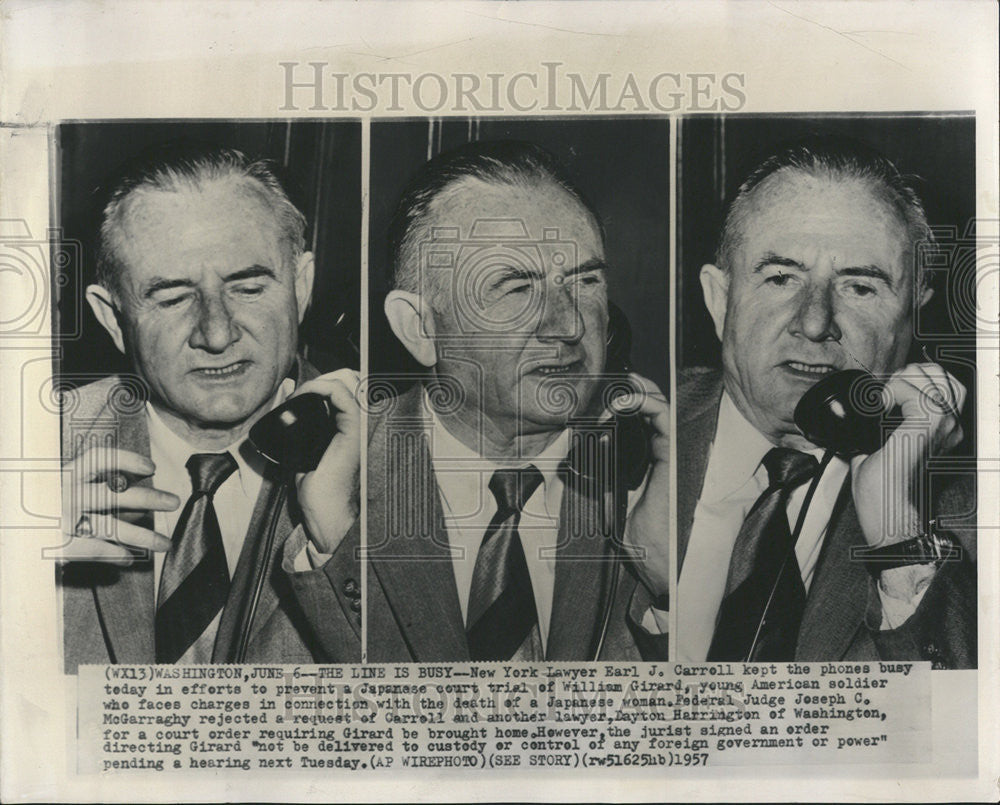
184,544
486,541
817,272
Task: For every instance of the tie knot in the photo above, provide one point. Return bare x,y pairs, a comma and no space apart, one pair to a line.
788,468
513,487
209,471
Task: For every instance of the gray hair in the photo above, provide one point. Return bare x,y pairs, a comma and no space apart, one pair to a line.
499,162
183,166
833,157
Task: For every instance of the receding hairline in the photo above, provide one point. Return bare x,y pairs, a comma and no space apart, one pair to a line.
448,200
772,185
756,199
445,200
247,187
503,163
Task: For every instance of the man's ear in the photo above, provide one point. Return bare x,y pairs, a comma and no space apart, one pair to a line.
103,304
305,272
412,321
715,289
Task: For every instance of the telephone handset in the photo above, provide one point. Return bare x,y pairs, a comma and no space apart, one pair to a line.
610,457
844,412
626,435
295,435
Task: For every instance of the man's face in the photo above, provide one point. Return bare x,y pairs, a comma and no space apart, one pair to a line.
522,327
210,307
821,281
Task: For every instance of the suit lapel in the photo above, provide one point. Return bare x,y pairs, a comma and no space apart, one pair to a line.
582,583
835,607
407,544
696,423
125,606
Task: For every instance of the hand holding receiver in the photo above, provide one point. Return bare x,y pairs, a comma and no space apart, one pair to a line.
648,527
100,504
316,434
844,412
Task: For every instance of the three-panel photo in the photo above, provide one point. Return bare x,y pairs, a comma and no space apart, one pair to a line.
518,389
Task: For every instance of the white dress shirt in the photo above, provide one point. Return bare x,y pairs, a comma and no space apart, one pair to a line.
463,479
734,479
234,500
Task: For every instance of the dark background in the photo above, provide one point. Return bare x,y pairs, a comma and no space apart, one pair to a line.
938,152
621,165
320,166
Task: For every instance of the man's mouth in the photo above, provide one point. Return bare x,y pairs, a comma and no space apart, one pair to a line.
556,369
814,370
222,372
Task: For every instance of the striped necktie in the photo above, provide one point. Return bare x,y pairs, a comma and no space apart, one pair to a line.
194,583
502,622
763,569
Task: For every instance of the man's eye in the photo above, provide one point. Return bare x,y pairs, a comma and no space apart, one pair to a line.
172,301
249,290
521,288
860,289
779,280
589,278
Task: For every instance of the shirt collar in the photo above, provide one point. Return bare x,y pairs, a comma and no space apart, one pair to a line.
736,454
167,445
447,447
453,459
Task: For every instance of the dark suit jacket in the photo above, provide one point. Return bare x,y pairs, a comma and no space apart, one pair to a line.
108,611
842,609
413,610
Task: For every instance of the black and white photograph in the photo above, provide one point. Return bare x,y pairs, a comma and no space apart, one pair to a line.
488,401
826,389
210,432
517,457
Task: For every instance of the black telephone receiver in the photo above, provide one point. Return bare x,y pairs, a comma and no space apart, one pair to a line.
844,412
295,435
629,432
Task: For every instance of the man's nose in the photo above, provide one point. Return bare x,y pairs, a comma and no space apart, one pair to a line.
561,319
215,329
816,316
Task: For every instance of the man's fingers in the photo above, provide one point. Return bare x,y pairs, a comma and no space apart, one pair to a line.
340,388
324,384
920,389
97,497
98,462
111,529
648,400
345,401
95,550
111,541
942,386
646,395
